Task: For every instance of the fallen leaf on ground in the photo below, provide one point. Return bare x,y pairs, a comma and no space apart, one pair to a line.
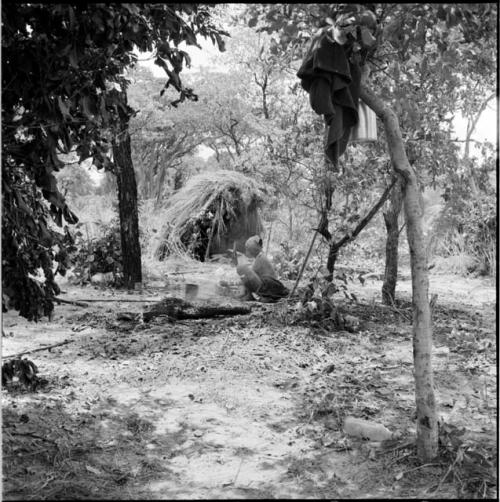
93,470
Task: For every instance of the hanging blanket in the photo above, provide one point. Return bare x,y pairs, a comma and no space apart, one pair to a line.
333,83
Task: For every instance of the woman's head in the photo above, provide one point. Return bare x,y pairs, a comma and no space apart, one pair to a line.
253,246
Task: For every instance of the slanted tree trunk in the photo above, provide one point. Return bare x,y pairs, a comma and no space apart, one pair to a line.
127,203
391,245
427,429
335,247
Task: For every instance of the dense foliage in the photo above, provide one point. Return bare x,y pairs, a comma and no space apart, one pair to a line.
63,73
467,224
62,91
98,255
428,61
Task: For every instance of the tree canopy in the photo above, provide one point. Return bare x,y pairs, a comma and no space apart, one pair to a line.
62,78
64,69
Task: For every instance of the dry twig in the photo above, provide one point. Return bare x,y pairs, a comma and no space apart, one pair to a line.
47,347
70,302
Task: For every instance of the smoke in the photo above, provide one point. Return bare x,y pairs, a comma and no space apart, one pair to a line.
212,289
214,284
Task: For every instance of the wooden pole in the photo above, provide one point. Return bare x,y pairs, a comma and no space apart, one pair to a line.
212,230
269,237
304,264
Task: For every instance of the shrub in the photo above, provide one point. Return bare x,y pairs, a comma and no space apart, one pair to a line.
288,261
99,254
318,306
468,227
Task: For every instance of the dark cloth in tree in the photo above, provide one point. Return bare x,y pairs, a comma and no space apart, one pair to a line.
333,84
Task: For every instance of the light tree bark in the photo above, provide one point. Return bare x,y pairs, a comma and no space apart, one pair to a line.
427,427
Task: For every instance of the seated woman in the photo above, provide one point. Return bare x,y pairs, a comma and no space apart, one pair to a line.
260,278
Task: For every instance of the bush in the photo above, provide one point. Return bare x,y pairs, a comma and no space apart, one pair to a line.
99,255
468,227
288,261
317,305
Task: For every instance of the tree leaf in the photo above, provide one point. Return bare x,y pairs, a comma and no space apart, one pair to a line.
64,108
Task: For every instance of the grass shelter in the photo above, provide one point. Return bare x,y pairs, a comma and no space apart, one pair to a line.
211,213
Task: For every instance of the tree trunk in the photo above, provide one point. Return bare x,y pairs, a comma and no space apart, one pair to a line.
127,204
391,245
335,247
333,253
329,189
427,429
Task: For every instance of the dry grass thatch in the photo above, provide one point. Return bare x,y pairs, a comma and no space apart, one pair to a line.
210,207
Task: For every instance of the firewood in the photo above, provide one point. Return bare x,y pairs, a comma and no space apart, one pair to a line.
178,309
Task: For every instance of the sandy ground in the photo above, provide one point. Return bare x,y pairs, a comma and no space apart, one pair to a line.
242,407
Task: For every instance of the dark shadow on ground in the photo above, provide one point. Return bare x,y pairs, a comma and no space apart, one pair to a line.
108,452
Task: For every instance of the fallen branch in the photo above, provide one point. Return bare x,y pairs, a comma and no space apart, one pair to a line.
397,311
178,309
47,347
33,435
191,271
401,474
70,302
129,300
450,469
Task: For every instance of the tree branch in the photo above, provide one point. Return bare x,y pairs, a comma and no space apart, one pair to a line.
398,155
362,224
47,347
475,120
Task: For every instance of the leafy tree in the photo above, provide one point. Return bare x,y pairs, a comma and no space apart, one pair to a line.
296,165
425,58
426,413
358,30
222,118
74,181
272,130
233,129
440,68
162,135
62,91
